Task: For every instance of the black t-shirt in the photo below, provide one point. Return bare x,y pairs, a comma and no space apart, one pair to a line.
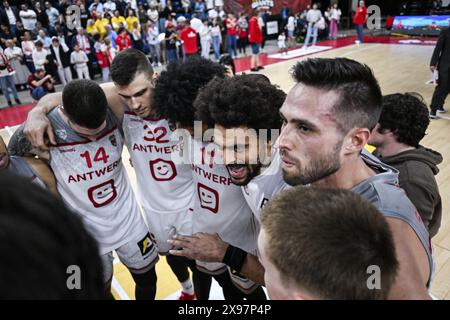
170,43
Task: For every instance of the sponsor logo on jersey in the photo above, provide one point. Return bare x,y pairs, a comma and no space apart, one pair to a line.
209,198
102,194
162,170
146,244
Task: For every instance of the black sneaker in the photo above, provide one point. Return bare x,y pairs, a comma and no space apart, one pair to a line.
10,103
441,110
254,69
433,115
260,68
18,101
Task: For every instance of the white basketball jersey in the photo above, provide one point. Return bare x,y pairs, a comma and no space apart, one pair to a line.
92,181
265,186
219,205
164,186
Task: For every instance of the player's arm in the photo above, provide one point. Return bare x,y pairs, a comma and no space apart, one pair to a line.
438,50
414,269
37,125
44,172
211,248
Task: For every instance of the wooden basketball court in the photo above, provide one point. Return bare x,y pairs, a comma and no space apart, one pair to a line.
399,68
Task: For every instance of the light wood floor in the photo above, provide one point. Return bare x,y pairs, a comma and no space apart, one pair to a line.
399,68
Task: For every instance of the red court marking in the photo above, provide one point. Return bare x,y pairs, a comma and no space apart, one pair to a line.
16,115
13,116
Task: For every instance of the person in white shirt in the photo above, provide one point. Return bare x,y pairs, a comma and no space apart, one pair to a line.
290,27
205,39
109,5
28,17
313,16
97,6
282,42
335,16
80,59
40,55
11,16
52,14
153,43
196,23
216,35
59,53
15,58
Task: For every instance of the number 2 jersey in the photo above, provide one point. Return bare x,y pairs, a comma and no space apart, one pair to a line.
91,179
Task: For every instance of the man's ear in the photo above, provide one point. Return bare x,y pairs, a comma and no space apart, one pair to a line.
355,140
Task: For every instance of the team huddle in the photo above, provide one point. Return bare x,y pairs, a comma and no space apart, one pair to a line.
291,200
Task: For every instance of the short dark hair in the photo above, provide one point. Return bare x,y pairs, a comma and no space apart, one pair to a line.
360,94
244,100
178,86
40,240
85,103
323,241
127,64
406,115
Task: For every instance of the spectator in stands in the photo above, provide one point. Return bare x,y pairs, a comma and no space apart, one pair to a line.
28,17
216,35
79,59
123,41
20,32
118,21
7,80
5,35
46,40
53,15
40,56
189,38
313,16
40,84
335,16
153,43
111,34
255,39
242,33
171,39
61,58
109,6
16,60
41,15
28,48
131,19
10,16
205,39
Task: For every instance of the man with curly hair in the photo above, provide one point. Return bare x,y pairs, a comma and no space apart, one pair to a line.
244,111
219,207
402,125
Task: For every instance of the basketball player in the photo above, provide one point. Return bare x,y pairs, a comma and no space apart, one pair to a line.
91,179
327,120
219,205
165,189
50,255
308,253
243,110
36,170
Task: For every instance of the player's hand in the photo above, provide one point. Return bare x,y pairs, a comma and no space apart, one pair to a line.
36,128
200,246
432,68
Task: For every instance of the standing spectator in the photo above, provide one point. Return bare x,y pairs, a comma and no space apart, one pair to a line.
41,15
189,37
28,17
79,59
153,43
53,15
109,6
402,125
102,56
118,21
231,24
40,56
440,60
171,38
153,13
199,9
313,16
242,33
6,35
255,40
84,15
335,16
205,39
28,48
218,4
137,36
10,16
16,60
290,27
96,6
46,40
82,41
20,32
7,80
196,23
359,20
282,42
110,50
40,84
61,58
131,19
142,15
123,41
111,34
216,35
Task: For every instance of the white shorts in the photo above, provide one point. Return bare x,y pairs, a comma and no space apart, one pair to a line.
212,268
165,226
139,256
247,286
